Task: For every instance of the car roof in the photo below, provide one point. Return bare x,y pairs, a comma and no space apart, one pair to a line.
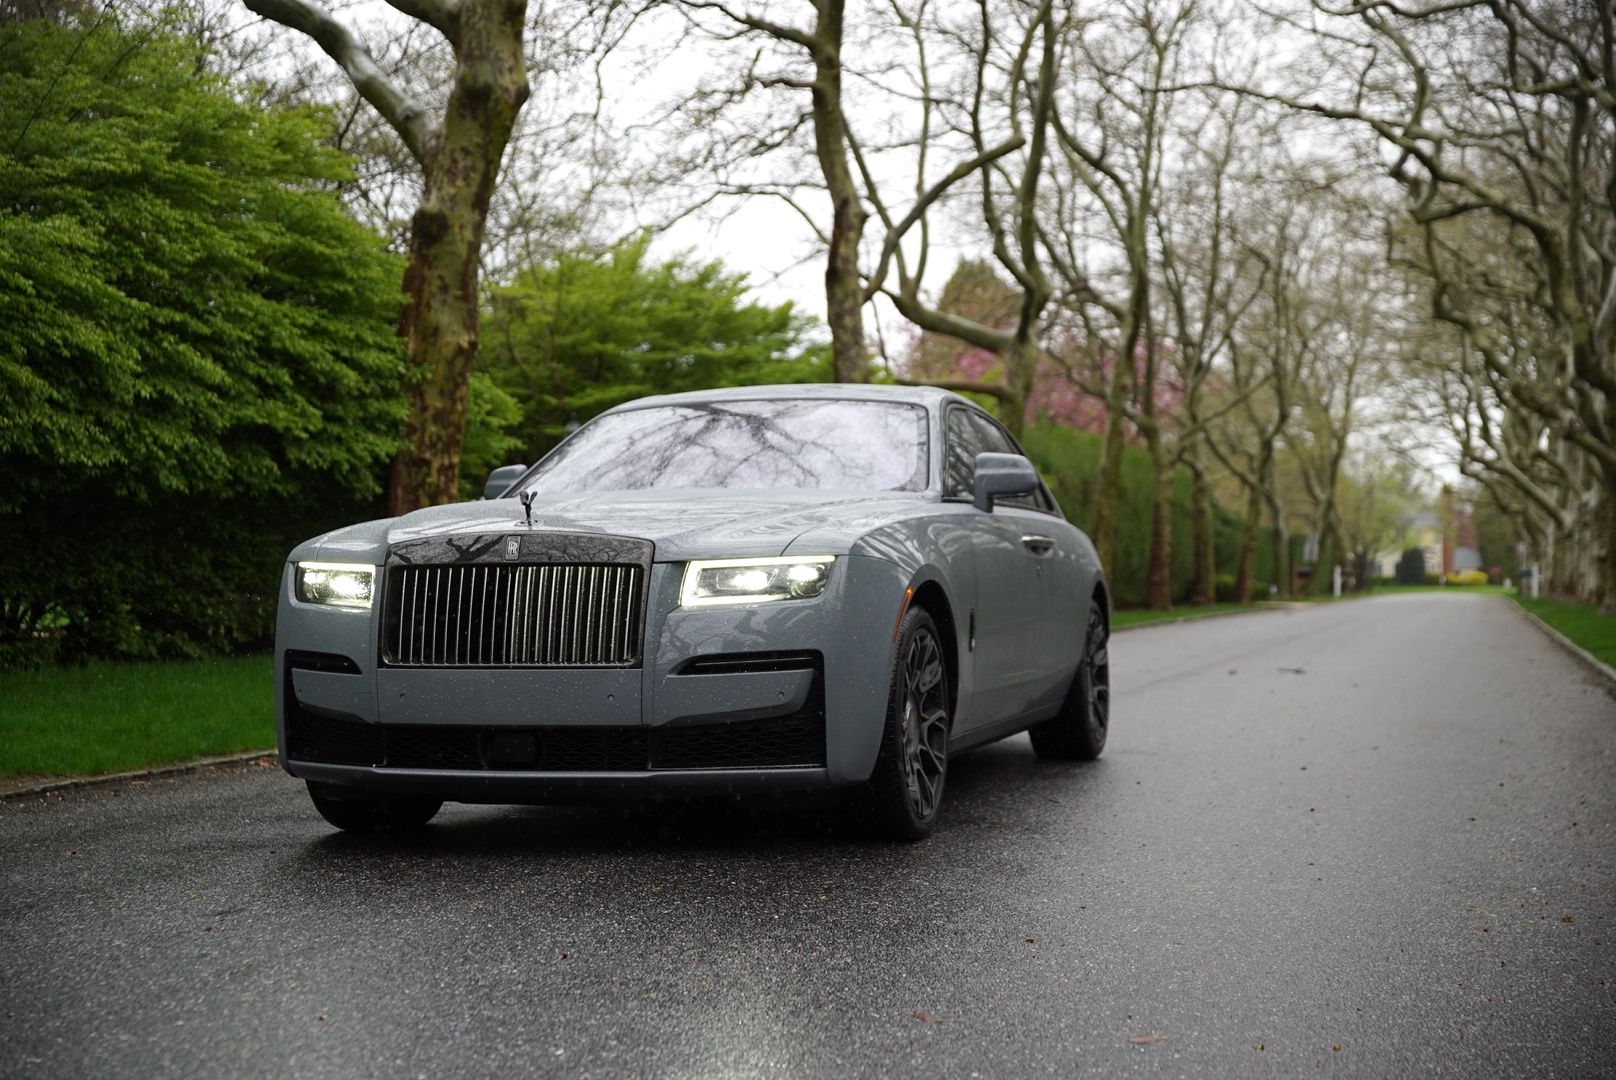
925,396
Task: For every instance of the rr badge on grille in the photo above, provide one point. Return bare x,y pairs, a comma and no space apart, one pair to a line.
513,547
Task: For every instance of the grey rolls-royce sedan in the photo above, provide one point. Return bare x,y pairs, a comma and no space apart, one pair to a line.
764,589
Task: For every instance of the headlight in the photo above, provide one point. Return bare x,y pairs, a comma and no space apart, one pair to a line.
338,584
755,581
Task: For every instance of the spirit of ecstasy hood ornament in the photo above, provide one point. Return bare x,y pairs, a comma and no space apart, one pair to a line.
527,507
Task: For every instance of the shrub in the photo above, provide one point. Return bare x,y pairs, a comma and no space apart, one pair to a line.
197,360
1411,568
1070,461
1468,577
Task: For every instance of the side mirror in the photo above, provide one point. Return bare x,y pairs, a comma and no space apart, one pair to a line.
501,479
1000,476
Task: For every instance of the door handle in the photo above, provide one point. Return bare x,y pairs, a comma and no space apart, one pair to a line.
1038,545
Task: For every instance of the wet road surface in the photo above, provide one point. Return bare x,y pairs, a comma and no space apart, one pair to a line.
1366,839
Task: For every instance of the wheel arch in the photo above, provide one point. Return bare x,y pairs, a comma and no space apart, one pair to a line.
1103,596
933,599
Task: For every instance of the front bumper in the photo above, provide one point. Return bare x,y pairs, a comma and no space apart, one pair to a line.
492,786
696,715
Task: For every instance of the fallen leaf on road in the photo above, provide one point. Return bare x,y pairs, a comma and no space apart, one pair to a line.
928,1018
1034,941
1146,1040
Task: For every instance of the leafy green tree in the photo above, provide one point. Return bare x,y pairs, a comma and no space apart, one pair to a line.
196,346
580,334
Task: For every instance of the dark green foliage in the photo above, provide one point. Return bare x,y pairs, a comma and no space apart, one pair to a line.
1495,536
1411,567
197,364
1070,462
578,335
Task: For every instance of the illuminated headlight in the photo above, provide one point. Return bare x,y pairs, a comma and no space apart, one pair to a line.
338,584
755,581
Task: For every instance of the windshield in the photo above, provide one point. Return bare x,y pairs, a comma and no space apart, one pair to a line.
798,443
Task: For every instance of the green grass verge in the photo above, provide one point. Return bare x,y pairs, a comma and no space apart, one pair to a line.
1120,619
1399,590
110,717
1584,624
1139,617
1479,590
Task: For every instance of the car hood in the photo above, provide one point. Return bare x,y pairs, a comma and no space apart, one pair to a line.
682,524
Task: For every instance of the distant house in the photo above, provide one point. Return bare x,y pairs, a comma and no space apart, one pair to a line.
1423,531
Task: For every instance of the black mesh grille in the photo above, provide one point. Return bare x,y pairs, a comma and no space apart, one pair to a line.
754,744
331,741
593,749
797,740
433,748
777,742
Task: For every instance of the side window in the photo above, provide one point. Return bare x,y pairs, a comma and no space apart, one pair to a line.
995,438
963,442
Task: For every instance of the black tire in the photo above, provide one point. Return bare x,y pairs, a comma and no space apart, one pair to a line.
1078,731
363,811
907,785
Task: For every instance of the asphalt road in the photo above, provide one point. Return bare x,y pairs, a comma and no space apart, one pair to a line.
1375,838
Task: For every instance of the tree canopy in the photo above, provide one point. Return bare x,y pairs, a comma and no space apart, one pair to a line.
581,333
195,339
184,305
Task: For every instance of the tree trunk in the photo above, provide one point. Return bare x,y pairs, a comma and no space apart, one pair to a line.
1020,373
1248,547
1159,569
844,292
1205,587
1607,598
1103,529
439,321
1319,579
1282,548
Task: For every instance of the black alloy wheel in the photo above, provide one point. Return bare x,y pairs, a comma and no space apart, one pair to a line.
913,764
1078,731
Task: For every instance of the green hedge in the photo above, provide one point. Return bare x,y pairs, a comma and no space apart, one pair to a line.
1070,461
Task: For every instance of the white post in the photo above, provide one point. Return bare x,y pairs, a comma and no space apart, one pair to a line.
1537,579
1335,580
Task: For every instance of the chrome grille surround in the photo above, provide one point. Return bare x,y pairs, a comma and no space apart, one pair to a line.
548,600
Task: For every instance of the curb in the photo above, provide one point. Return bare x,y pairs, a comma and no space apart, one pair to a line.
74,783
1586,658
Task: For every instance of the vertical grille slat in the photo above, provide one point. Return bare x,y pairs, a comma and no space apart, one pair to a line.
528,615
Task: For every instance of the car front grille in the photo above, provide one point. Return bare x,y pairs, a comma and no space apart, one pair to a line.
490,615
